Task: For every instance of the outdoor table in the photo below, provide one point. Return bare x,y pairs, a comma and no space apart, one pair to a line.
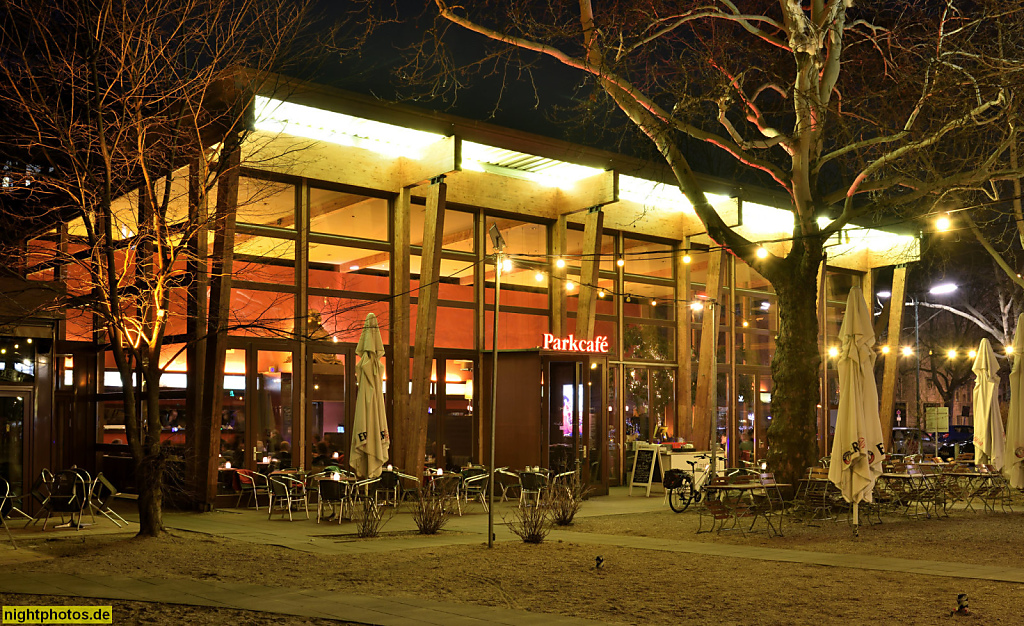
731,501
913,489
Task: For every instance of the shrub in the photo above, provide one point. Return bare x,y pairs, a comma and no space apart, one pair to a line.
430,512
371,518
564,499
530,523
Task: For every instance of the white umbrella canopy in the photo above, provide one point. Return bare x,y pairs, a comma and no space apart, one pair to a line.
370,437
857,448
989,438
1013,455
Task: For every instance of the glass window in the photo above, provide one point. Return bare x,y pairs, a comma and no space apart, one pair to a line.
648,259
342,319
327,388
649,301
274,407
265,203
261,313
347,214
648,342
350,269
516,330
524,238
459,232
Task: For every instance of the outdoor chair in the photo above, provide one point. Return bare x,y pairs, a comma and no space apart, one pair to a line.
448,487
12,503
714,509
507,482
388,489
531,485
287,492
474,487
995,490
5,492
69,495
87,480
101,495
769,503
333,493
252,484
41,490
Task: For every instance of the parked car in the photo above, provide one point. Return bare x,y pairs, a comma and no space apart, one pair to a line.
959,438
906,441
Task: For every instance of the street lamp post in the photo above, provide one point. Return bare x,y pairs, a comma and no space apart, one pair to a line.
499,247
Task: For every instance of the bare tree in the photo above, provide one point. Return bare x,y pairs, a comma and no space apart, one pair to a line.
855,110
122,117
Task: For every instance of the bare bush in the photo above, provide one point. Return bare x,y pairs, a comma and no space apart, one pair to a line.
530,523
371,518
564,499
431,510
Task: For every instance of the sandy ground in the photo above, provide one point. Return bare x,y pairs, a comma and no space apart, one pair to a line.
635,586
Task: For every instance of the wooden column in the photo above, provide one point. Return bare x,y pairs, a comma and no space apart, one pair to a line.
586,309
891,368
707,365
426,320
301,448
684,399
208,437
195,323
401,313
556,282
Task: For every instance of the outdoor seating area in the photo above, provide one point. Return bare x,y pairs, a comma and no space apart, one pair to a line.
929,489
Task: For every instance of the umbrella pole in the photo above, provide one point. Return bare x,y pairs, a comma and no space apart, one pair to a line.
856,520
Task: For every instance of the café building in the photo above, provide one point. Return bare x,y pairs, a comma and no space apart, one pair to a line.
608,291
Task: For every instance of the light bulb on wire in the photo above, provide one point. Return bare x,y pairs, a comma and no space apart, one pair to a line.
686,258
569,286
506,265
620,261
560,263
762,253
539,276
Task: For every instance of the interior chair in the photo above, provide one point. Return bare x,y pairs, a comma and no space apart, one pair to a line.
251,484
287,492
101,495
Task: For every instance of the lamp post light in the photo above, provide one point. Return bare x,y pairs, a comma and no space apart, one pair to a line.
499,248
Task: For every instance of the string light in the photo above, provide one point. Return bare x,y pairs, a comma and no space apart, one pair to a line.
620,262
600,294
833,352
1009,349
560,263
506,265
686,259
942,223
654,303
951,354
885,349
972,354
539,276
908,351
569,286
697,306
762,253
746,323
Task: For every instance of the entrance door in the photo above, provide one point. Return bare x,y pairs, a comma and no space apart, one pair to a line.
13,413
577,430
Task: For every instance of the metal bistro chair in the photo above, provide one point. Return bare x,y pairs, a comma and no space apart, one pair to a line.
252,484
332,493
288,490
69,495
531,485
388,489
5,492
101,495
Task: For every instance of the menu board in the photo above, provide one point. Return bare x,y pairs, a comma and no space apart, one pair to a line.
645,462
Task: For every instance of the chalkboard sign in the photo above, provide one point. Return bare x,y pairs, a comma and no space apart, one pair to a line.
646,462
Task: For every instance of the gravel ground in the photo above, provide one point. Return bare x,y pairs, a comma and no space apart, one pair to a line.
635,586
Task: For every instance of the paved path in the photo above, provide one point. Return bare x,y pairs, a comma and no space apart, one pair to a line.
283,601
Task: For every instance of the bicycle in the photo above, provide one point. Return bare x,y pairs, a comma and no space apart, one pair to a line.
685,487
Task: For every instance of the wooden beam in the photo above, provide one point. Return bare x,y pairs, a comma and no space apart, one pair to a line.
888,399
439,158
195,323
588,193
556,278
426,320
301,431
586,309
684,399
401,314
208,448
707,366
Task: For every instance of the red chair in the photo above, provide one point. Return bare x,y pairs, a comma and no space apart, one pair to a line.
248,482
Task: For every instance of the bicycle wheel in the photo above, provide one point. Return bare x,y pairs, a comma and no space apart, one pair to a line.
679,498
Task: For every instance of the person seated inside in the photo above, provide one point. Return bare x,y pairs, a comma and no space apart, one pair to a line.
746,447
284,455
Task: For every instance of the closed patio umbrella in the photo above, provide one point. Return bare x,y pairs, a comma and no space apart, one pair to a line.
1013,455
370,437
856,461
989,438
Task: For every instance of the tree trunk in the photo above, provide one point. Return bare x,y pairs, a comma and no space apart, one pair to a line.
792,435
149,482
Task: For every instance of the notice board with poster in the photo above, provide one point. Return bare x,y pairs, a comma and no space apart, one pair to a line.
646,462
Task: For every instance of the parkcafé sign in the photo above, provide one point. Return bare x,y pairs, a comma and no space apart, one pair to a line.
571,344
